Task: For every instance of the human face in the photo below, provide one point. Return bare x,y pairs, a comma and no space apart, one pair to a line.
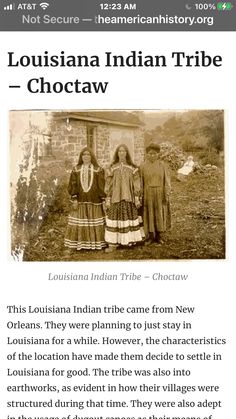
122,154
86,157
152,156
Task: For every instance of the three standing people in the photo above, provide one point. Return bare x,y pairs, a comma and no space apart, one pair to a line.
121,194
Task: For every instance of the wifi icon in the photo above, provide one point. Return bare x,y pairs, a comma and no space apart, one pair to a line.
44,5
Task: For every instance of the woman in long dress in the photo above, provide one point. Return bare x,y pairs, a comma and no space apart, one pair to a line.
86,222
156,187
122,188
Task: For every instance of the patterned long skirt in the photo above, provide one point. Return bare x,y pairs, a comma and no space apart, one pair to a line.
123,224
86,227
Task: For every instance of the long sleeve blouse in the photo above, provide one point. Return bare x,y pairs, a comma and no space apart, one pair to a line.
87,185
156,175
122,183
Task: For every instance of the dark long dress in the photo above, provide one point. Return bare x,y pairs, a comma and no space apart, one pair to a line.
86,225
156,186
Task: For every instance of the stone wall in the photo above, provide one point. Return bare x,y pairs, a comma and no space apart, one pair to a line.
102,141
139,146
66,145
30,130
67,141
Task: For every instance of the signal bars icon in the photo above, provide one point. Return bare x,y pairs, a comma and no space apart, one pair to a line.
9,7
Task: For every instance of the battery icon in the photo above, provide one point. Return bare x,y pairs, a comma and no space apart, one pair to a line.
224,6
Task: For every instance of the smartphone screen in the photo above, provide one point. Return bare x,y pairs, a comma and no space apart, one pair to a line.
118,209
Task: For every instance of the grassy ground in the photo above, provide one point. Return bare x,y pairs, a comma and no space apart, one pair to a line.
198,228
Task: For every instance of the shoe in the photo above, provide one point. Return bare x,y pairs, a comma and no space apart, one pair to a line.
159,242
148,241
110,249
68,252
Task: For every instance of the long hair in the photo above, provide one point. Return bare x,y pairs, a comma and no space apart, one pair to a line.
93,158
128,156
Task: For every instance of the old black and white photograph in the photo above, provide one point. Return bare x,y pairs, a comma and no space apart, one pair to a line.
117,185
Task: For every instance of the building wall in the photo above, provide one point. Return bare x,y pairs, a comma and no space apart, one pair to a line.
27,137
67,144
139,146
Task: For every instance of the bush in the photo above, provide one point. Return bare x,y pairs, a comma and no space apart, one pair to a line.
209,157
